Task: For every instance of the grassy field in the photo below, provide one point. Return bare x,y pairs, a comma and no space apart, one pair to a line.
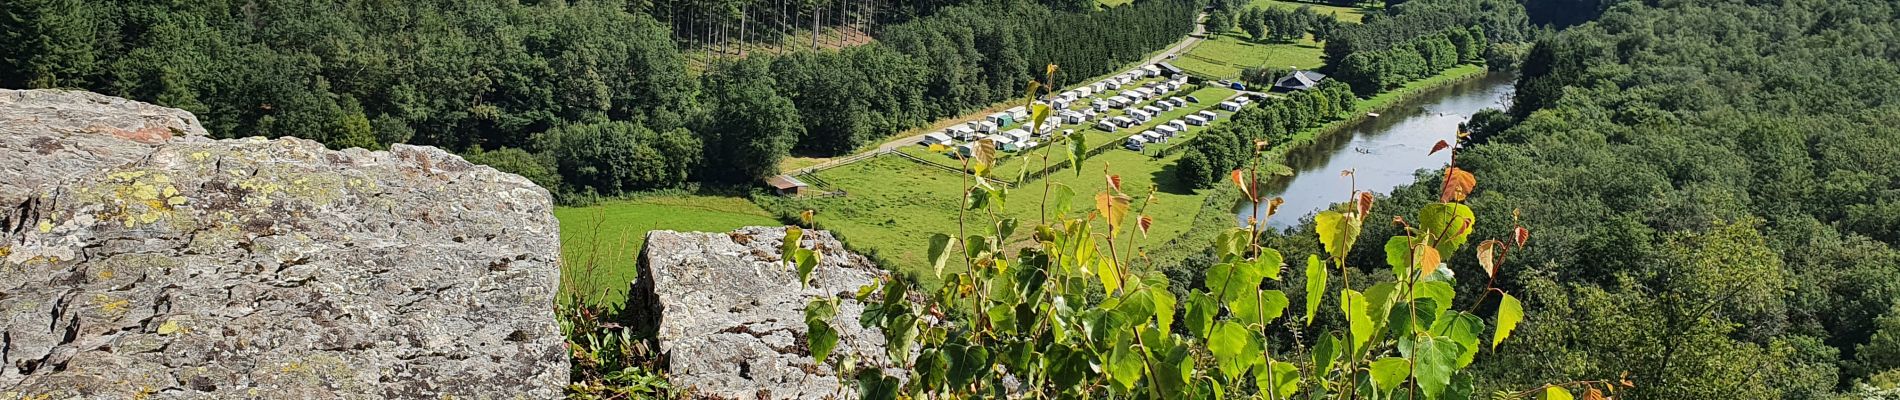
608,236
1223,55
1012,163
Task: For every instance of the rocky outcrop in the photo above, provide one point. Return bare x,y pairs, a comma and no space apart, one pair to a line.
140,259
730,313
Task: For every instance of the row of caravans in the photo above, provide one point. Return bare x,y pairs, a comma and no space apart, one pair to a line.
1161,133
988,127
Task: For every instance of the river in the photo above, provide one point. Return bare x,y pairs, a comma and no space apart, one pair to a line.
1383,152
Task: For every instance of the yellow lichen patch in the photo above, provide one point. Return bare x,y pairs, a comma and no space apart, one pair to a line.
46,226
169,327
105,275
6,251
141,197
110,306
200,156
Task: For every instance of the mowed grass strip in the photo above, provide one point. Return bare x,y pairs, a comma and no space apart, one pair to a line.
1348,14
1224,54
600,244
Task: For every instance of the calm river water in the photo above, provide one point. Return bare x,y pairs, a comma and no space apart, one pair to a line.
1384,152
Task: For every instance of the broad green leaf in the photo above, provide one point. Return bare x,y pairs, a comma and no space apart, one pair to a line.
940,245
1406,318
1137,307
1315,285
1398,254
1509,313
1125,364
1201,310
1110,274
873,385
1461,388
1003,318
1234,347
1164,308
1324,352
1336,231
1461,327
821,338
1268,263
1068,366
1381,296
789,248
1259,309
1439,291
807,260
1061,196
1228,281
1448,223
967,363
1282,377
1230,245
1554,393
1355,307
1437,359
1389,372
1038,113
899,335
932,368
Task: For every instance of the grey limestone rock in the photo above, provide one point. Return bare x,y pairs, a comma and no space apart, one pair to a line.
730,313
140,259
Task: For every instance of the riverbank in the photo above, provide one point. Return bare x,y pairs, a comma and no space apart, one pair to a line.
1216,214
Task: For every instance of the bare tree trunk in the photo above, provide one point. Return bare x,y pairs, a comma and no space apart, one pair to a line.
814,26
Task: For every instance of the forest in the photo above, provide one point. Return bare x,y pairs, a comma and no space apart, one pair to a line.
582,97
1710,186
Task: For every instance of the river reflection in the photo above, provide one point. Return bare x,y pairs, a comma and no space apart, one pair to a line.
1384,152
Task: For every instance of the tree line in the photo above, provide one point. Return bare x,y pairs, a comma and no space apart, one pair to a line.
584,97
1419,39
1230,144
1711,185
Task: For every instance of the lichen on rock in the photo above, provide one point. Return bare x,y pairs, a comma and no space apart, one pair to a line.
139,258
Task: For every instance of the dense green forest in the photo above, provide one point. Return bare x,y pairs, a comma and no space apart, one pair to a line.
1419,39
583,97
1711,189
1229,146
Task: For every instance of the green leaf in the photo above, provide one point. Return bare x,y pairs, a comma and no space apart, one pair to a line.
789,248
1437,359
1282,377
1229,281
1449,224
1003,318
1125,364
1315,286
967,363
1336,231
1389,372
1110,274
1231,245
1554,393
1038,113
1461,327
1062,197
1406,318
1137,307
1078,150
1509,313
1268,263
1234,348
873,385
1355,307
821,338
1324,352
1164,308
807,260
940,245
1398,254
1259,309
1201,310
1439,291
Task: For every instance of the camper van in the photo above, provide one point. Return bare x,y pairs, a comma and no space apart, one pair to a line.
1107,125
1177,124
1167,130
1230,106
1152,110
1196,120
1210,115
934,138
960,132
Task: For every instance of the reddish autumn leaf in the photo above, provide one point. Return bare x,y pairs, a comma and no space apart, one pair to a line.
1241,182
1520,235
1488,256
1440,146
1593,394
1115,181
1364,203
1273,206
1144,223
1458,184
